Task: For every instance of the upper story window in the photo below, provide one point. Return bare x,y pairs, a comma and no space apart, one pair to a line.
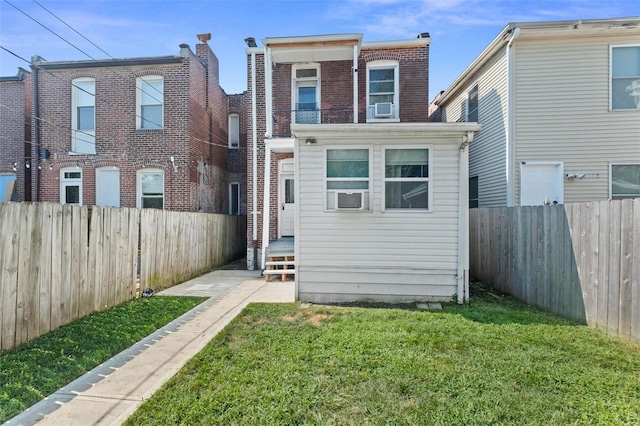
83,116
306,94
625,181
71,185
383,91
472,104
234,131
347,178
150,189
625,77
406,178
150,102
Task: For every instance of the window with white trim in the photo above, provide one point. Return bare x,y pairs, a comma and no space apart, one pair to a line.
108,187
472,104
383,91
150,189
83,115
625,77
234,131
407,183
625,181
347,174
234,198
71,185
150,102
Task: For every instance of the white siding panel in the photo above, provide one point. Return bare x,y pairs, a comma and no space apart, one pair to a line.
487,153
562,112
378,254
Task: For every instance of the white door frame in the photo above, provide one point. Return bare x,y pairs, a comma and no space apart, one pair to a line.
559,177
285,171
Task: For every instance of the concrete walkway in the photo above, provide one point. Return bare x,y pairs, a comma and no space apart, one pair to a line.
111,392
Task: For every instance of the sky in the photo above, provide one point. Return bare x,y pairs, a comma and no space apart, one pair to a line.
60,30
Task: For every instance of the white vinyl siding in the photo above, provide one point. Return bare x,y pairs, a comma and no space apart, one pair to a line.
564,116
391,255
487,152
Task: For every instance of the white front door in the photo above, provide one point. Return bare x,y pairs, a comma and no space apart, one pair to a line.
541,183
286,199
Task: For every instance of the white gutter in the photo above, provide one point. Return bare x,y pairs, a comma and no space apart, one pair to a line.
463,220
254,135
509,170
355,84
266,204
268,91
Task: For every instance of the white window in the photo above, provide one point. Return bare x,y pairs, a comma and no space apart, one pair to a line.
625,181
83,116
150,102
71,185
150,189
407,178
234,131
108,187
472,104
383,91
625,77
347,178
306,94
234,198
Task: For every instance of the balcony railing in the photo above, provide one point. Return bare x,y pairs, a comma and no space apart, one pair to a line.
282,119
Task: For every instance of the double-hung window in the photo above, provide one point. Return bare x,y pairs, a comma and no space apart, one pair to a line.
234,131
625,77
347,178
472,104
625,181
150,102
383,91
407,183
71,185
150,189
83,116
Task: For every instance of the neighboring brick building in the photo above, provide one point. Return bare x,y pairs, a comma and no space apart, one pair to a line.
141,132
15,140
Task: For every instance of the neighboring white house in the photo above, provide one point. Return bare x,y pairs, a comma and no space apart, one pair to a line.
559,105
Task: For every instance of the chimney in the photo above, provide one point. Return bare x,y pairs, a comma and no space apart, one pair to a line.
204,38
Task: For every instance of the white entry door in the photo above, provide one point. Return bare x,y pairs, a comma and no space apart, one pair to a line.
286,198
541,183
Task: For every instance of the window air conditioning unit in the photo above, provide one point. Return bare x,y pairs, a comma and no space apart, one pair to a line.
383,109
348,200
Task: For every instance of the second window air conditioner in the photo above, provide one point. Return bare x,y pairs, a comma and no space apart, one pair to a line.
383,109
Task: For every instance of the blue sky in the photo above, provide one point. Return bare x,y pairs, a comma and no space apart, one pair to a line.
459,29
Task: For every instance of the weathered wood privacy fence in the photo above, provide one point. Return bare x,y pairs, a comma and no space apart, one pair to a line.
61,262
581,261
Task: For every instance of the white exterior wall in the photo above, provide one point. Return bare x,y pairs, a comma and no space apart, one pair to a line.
562,112
375,255
487,153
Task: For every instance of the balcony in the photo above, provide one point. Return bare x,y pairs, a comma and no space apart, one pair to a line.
282,119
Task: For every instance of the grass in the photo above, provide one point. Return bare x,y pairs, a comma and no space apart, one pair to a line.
492,362
34,370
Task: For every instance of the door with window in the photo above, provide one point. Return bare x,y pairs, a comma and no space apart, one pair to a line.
286,197
541,183
71,186
306,94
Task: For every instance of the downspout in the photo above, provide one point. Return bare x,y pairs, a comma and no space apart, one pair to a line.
266,204
463,219
268,92
35,136
355,84
509,118
254,165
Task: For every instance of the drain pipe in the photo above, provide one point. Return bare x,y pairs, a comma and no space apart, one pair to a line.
509,118
463,219
254,165
35,135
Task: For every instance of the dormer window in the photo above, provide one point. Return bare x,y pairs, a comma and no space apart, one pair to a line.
383,91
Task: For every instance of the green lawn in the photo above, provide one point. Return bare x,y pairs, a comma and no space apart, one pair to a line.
42,366
488,363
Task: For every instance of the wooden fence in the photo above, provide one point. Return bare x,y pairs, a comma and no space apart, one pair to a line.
61,262
581,261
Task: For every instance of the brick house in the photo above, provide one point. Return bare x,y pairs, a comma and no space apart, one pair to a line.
141,132
15,142
349,188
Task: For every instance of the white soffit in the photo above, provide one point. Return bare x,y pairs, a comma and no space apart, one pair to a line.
338,47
